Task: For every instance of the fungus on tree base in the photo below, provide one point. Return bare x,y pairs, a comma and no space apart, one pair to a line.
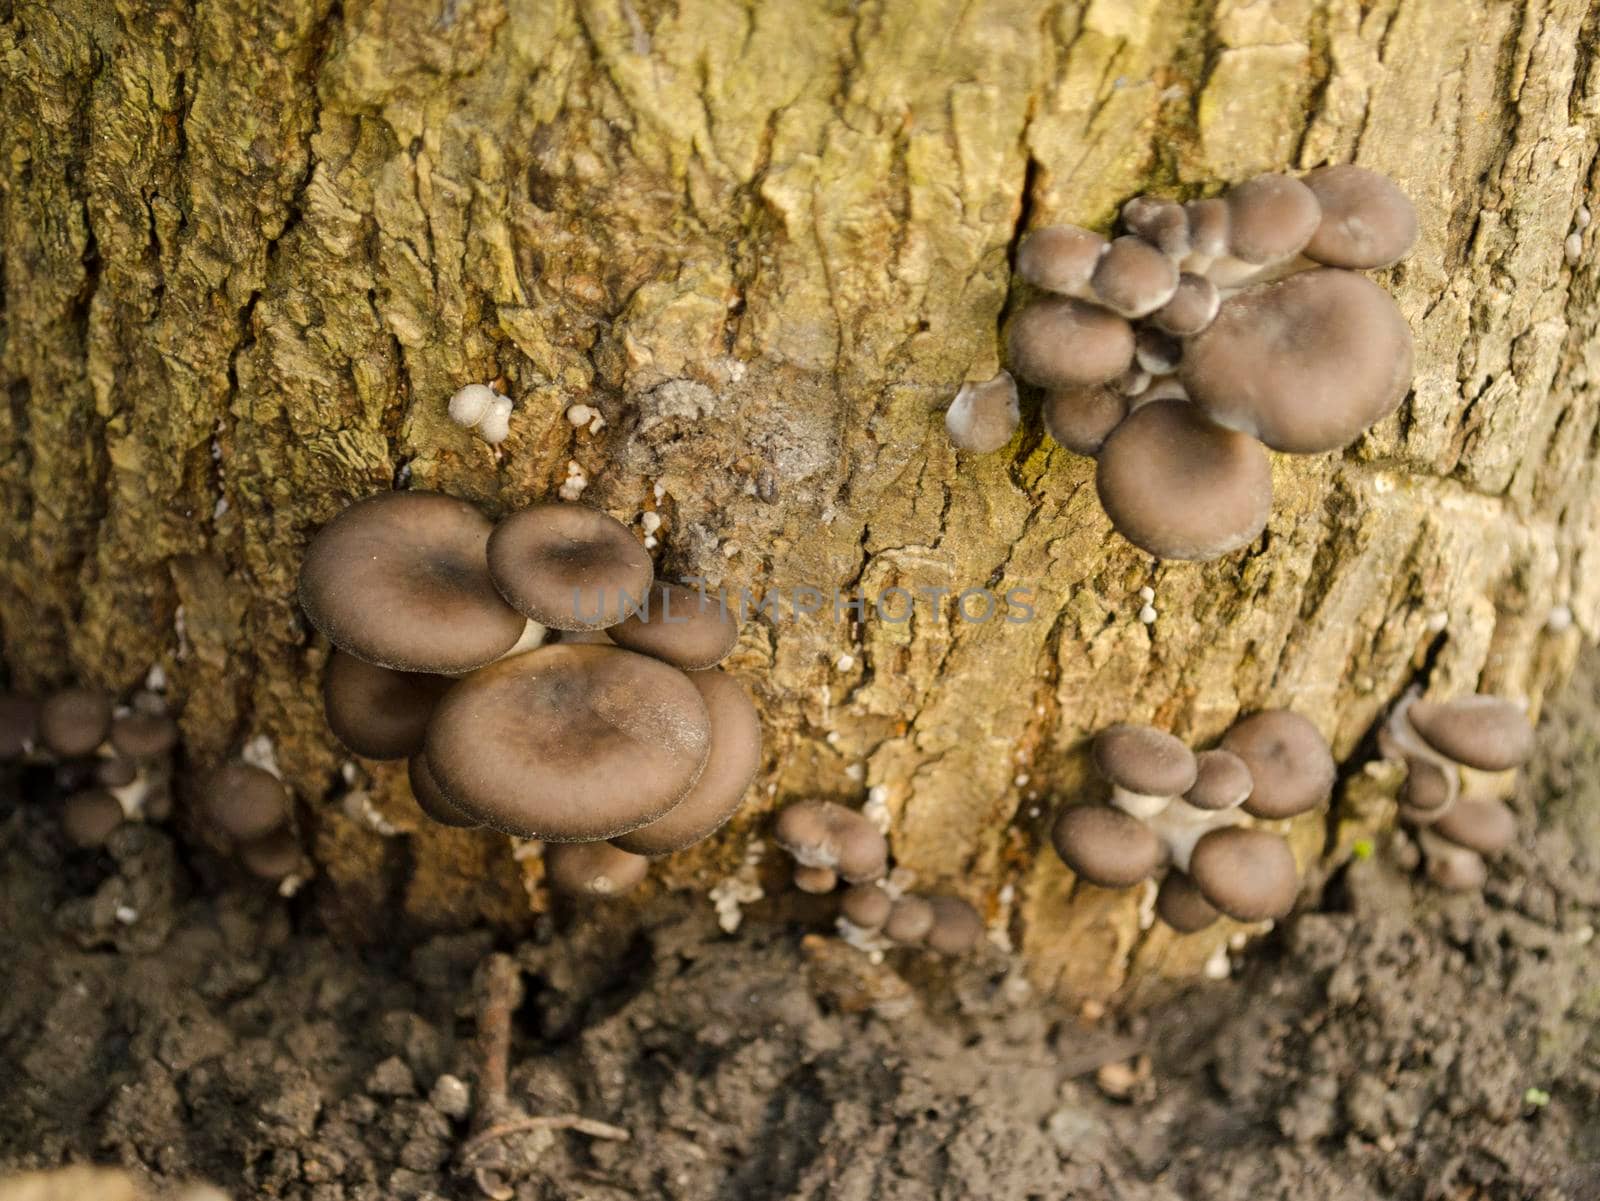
824,834
984,415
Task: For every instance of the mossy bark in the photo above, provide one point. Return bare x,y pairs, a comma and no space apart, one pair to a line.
250,249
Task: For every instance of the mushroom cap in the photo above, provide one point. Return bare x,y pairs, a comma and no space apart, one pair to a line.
1270,218
1222,781
1456,869
144,735
425,791
1105,846
1193,306
115,773
1059,258
272,856
1208,227
731,765
569,566
1426,789
1484,825
1288,759
1133,278
984,415
74,721
1082,418
1056,342
1144,759
88,817
19,724
826,834
1248,874
686,627
815,880
1367,222
1489,733
866,906
956,926
909,920
400,580
1179,487
378,713
1182,905
1162,223
569,743
245,801
1305,363
592,869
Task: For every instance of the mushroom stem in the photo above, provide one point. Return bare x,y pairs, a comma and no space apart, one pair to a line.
532,638
1180,825
1138,804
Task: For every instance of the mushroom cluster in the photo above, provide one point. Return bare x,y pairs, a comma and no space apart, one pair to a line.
1177,353
536,677
108,763
1171,809
1455,754
248,807
830,843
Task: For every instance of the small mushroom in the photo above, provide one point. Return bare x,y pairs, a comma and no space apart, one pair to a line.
1057,342
245,802
19,725
956,927
1208,233
730,766
569,743
1482,824
1082,418
1108,847
826,834
1222,781
569,566
1305,364
815,880
1489,733
430,799
984,415
1182,905
1193,306
1366,223
141,735
593,869
1133,278
1453,868
401,580
1428,790
865,906
909,920
1248,874
1178,487
89,816
688,628
1288,760
1162,223
479,407
115,773
1146,767
378,713
1060,258
1270,220
272,856
74,721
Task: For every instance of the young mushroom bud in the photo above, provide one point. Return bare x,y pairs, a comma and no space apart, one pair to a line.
826,834
984,415
1182,905
1062,343
1453,868
1208,234
1178,487
1481,824
688,628
1162,223
1222,781
1270,220
1193,306
865,906
245,802
479,407
1367,222
431,800
19,725
956,926
1288,760
1248,874
1489,733
909,920
1060,258
142,735
1146,767
815,880
88,817
1133,278
1082,418
568,566
115,773
1108,847
74,721
592,869
1428,790
272,856
401,580
378,713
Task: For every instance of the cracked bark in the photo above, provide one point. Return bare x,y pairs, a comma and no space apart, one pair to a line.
249,250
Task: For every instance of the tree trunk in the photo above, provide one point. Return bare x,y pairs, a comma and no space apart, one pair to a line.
251,248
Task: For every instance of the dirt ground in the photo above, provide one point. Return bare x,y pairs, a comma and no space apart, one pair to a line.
1396,1043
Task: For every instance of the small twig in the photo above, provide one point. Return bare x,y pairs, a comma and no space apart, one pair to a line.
501,989
561,1121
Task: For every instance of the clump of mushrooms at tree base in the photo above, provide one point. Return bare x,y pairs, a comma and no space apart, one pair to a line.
1177,353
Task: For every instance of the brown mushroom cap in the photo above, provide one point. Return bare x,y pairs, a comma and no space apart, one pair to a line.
1484,825
19,724
1182,905
433,802
1162,223
1426,789
569,743
684,626
1367,222
1178,487
88,817
1305,364
569,566
1222,781
244,801
1247,873
909,920
144,735
378,713
1105,846
866,906
1059,258
956,927
1456,869
1208,227
74,721
115,773
1193,306
1270,218
272,856
1133,278
826,834
401,580
1288,759
592,869
1056,342
984,414
1144,759
815,880
1489,733
731,765
1082,418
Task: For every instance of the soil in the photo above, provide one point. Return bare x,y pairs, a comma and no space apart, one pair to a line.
1394,1042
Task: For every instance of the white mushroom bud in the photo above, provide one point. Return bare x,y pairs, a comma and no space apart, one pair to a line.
479,407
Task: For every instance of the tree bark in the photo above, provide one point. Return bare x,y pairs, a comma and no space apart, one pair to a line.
251,248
